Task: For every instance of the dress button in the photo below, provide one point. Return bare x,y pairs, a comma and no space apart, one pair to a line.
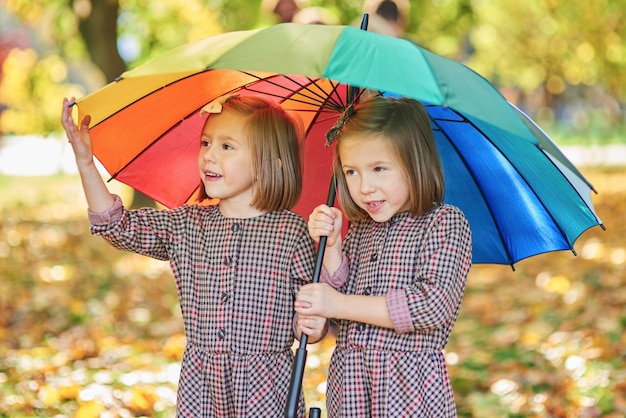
367,291
228,260
221,334
374,257
235,227
225,296
360,327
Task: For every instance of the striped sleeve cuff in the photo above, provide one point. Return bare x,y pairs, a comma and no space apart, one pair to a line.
399,311
113,214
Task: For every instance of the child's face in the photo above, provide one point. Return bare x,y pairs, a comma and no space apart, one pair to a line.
374,175
225,160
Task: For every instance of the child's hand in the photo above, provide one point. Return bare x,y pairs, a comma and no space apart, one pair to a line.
325,221
78,138
313,326
318,299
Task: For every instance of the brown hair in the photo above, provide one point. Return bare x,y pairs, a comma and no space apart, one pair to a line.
275,136
405,125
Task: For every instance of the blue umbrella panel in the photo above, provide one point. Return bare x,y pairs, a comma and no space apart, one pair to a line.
521,197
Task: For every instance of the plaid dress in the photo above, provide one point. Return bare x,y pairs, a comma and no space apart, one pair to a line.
421,266
236,280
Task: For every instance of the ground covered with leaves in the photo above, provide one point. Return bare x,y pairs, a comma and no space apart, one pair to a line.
87,331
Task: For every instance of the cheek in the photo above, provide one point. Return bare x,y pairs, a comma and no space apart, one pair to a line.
200,160
353,185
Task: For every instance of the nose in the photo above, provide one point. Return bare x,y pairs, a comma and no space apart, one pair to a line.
206,154
366,185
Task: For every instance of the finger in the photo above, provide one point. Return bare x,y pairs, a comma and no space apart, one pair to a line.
309,326
66,114
84,126
327,210
311,332
308,293
299,303
303,308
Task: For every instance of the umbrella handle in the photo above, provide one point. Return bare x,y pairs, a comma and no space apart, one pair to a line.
297,373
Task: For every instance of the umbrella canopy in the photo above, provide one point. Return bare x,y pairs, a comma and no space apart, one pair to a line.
520,194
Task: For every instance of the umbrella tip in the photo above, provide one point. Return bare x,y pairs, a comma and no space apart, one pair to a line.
365,21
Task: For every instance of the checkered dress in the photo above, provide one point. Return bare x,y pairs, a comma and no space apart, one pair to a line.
237,280
421,266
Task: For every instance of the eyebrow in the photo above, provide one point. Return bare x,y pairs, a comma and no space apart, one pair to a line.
373,163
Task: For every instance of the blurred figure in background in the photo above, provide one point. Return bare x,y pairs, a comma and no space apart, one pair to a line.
316,16
389,17
280,11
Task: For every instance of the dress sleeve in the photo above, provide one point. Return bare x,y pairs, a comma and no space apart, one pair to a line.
443,263
146,231
303,265
303,262
397,304
109,216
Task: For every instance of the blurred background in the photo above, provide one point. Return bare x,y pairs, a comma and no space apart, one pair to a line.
88,331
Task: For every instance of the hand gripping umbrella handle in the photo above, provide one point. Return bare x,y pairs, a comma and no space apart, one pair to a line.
295,386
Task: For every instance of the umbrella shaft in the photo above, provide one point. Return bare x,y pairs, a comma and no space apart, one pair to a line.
297,372
291,408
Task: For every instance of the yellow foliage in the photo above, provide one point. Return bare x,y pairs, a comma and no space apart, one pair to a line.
69,391
49,395
142,400
91,409
558,284
31,90
175,346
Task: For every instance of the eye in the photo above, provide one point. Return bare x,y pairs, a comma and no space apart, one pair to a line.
227,146
205,143
349,172
379,169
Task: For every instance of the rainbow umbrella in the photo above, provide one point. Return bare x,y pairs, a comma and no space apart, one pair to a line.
521,195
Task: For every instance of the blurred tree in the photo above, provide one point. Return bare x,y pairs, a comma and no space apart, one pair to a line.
550,53
560,59
67,39
38,76
97,23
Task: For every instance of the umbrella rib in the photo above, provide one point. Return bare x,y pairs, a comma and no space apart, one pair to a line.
443,132
333,97
269,80
315,97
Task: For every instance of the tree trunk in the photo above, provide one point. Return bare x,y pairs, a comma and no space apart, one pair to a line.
99,31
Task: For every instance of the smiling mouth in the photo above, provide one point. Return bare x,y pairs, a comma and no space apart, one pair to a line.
374,204
211,175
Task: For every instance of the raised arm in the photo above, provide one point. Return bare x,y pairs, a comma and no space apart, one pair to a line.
98,197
